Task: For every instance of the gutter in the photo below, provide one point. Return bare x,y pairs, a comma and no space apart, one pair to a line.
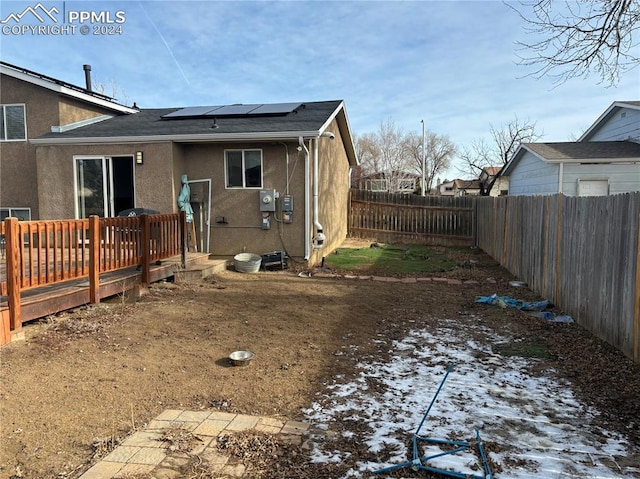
186,138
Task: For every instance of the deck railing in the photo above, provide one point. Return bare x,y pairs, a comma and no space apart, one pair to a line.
40,253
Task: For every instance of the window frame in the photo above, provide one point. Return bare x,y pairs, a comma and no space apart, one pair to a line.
243,152
383,181
406,184
3,132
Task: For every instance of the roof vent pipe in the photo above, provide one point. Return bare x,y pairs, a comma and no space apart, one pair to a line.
87,76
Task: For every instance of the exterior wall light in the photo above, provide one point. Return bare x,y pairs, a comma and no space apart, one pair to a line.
139,158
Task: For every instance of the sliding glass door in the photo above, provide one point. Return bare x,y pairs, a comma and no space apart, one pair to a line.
104,185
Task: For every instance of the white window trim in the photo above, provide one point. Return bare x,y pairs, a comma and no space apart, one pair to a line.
4,121
383,181
243,187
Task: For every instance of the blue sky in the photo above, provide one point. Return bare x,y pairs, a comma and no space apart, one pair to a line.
450,63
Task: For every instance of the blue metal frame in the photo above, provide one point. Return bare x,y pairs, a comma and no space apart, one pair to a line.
419,463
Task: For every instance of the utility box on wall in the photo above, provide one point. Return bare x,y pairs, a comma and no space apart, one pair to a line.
268,200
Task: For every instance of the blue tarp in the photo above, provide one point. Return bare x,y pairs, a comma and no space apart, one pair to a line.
538,307
507,302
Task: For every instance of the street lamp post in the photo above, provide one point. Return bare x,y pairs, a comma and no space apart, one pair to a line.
423,162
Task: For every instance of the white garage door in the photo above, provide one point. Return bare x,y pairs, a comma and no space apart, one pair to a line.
593,187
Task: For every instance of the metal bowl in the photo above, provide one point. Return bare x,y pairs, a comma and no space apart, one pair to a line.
518,284
241,358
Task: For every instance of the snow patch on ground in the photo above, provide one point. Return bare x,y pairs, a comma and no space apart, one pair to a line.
539,429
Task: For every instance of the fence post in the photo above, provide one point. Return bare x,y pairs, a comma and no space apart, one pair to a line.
183,239
94,259
13,247
146,248
636,317
558,251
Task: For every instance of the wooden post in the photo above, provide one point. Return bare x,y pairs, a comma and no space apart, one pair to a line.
556,300
94,259
145,245
183,239
505,237
13,248
636,316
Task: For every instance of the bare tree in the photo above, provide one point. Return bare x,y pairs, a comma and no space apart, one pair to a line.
112,90
505,142
581,36
439,151
383,155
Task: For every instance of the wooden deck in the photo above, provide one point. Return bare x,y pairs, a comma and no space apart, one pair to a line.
53,265
50,299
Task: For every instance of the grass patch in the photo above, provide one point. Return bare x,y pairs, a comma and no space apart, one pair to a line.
388,259
523,350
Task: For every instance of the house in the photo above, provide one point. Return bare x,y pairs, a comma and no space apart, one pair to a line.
32,105
605,160
459,188
262,177
405,183
491,183
446,188
466,187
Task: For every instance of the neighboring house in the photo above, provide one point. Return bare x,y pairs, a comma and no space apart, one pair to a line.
489,187
605,160
404,183
263,177
459,188
446,188
31,106
466,187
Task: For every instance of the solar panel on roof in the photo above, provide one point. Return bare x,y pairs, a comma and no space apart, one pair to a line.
233,110
192,111
275,108
236,109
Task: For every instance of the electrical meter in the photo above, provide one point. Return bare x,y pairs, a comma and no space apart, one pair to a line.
268,200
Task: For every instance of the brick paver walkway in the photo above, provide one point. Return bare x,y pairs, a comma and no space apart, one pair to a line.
145,451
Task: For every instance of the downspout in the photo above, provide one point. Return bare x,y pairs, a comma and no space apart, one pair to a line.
303,147
318,240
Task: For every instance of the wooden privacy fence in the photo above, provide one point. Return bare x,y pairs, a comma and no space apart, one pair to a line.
398,218
41,253
583,254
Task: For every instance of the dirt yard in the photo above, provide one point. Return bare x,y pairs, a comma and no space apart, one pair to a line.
83,380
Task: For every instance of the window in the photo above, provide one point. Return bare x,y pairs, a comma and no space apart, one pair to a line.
378,185
243,168
23,214
12,123
407,185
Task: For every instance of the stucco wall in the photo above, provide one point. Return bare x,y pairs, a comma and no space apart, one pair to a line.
153,180
71,111
242,230
333,193
18,177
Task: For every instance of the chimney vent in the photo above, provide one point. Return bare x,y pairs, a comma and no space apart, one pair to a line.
87,76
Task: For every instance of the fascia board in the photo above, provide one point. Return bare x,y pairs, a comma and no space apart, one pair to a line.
347,138
210,138
594,160
66,90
